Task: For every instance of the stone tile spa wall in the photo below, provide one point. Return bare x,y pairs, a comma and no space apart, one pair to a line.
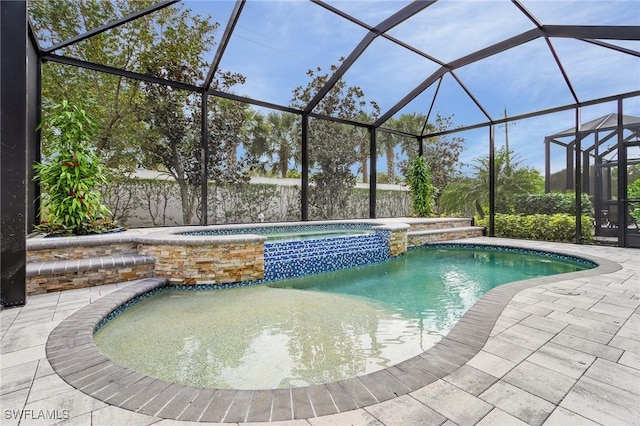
212,263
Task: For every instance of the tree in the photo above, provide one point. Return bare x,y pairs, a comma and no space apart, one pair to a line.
71,175
473,192
633,193
112,101
283,143
442,153
334,148
422,191
174,116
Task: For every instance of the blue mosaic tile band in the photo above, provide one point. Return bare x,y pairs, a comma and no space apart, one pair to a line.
290,259
120,309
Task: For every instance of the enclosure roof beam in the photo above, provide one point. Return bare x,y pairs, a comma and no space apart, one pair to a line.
411,96
370,28
395,19
602,32
612,46
458,63
538,113
473,98
111,25
156,80
224,42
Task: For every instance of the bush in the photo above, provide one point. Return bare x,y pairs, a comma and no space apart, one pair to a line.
420,187
551,203
71,176
557,227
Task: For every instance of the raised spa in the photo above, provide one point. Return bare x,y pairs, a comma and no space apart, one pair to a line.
316,329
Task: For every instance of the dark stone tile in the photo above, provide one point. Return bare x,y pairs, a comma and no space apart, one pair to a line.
180,403
128,392
145,395
281,409
260,406
84,367
301,404
239,407
377,389
468,337
391,383
460,349
160,400
341,397
85,381
219,405
197,406
434,364
359,392
105,380
411,375
117,386
321,400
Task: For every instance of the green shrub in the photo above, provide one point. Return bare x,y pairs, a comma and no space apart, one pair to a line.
633,191
551,203
420,187
557,227
71,176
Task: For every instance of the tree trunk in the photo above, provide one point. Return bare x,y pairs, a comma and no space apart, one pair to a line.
391,164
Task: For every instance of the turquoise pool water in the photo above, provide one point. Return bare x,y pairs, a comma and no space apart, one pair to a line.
315,329
290,233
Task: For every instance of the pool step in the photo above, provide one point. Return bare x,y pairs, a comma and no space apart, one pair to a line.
292,259
56,275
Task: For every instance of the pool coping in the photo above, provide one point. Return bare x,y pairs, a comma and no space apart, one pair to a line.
77,360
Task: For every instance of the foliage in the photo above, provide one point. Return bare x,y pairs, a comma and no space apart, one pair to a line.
442,152
550,203
283,143
70,176
633,191
334,148
174,116
293,174
555,227
111,101
422,191
511,178
158,202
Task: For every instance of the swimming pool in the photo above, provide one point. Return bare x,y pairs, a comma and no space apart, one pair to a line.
316,329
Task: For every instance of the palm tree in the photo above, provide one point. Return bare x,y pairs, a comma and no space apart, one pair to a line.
511,178
282,141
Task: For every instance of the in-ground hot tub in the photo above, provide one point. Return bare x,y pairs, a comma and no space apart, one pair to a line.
219,255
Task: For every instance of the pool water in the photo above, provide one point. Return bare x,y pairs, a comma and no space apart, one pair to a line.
315,329
292,236
290,233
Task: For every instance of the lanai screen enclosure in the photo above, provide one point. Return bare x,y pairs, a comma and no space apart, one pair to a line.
567,61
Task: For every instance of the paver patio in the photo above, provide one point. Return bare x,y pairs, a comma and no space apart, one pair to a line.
564,352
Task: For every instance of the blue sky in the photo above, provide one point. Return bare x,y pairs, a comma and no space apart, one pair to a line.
275,42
